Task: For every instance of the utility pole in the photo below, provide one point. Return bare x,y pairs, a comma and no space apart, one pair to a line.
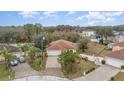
42,44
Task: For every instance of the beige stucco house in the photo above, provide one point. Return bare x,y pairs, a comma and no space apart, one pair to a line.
118,46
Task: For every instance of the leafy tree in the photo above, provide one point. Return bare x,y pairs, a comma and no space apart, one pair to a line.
82,44
29,30
39,42
25,48
38,28
68,60
104,32
73,38
34,52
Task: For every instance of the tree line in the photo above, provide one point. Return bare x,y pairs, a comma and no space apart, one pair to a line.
34,32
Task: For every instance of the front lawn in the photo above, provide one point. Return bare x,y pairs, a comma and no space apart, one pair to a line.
83,66
94,48
4,73
118,77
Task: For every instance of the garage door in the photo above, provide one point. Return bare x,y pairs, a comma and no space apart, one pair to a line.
53,52
114,62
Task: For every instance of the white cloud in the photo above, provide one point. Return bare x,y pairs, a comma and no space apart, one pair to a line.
92,16
110,19
99,17
50,13
71,12
111,14
47,14
28,14
41,18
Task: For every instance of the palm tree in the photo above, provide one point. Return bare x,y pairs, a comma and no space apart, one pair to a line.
8,56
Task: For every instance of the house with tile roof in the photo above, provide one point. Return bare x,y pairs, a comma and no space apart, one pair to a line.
56,47
116,57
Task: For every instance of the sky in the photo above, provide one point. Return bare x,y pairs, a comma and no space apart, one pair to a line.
53,18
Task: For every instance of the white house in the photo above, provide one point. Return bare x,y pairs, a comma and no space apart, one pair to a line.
94,40
87,33
56,47
119,37
115,58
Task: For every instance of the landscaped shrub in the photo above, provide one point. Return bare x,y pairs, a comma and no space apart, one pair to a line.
36,64
46,55
122,67
112,78
90,70
87,72
103,62
69,61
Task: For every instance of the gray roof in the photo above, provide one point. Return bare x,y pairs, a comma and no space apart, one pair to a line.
11,48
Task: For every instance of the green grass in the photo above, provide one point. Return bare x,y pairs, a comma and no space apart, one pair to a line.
4,73
83,66
119,77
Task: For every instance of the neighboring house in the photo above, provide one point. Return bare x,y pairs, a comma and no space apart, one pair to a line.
94,40
2,59
119,37
55,48
15,50
91,35
87,33
118,46
115,58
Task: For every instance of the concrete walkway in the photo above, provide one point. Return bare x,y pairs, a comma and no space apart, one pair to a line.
103,73
41,78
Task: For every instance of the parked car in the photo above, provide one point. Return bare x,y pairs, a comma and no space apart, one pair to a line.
14,63
21,59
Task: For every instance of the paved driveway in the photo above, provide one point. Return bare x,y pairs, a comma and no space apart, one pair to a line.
52,62
53,68
53,72
103,73
23,69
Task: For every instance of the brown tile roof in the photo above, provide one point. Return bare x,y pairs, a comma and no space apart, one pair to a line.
119,44
61,45
117,54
